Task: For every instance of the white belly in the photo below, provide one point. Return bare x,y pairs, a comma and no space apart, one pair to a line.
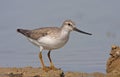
52,43
49,43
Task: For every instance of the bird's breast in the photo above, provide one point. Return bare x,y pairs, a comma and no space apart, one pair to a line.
51,42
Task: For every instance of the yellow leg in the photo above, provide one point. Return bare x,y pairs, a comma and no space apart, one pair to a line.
51,63
41,60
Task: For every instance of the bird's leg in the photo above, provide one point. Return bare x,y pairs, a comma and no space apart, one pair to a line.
51,63
41,60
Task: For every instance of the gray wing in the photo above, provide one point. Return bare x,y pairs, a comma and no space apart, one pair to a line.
37,33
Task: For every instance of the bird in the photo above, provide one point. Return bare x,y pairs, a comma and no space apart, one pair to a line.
50,38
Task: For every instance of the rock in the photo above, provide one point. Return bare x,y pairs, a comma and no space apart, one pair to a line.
113,63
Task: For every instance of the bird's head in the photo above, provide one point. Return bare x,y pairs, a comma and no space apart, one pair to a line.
69,25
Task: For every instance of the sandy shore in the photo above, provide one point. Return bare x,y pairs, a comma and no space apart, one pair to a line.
112,69
38,72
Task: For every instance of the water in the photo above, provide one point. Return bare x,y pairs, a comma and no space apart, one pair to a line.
82,52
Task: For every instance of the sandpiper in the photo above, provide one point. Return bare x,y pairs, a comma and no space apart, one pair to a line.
50,38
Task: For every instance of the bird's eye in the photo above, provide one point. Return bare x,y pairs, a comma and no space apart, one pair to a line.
69,24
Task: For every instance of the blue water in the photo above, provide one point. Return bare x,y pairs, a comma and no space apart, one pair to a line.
82,52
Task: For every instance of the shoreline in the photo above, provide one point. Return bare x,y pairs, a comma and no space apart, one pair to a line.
112,69
38,72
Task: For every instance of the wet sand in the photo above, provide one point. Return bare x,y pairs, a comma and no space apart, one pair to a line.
38,72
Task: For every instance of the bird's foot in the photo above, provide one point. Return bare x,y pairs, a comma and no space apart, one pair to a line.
46,68
54,68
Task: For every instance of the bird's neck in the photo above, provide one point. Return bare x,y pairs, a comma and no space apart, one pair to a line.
65,34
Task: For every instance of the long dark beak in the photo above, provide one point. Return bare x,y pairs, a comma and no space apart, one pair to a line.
75,29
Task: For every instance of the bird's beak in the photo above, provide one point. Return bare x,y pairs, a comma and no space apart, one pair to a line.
75,29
